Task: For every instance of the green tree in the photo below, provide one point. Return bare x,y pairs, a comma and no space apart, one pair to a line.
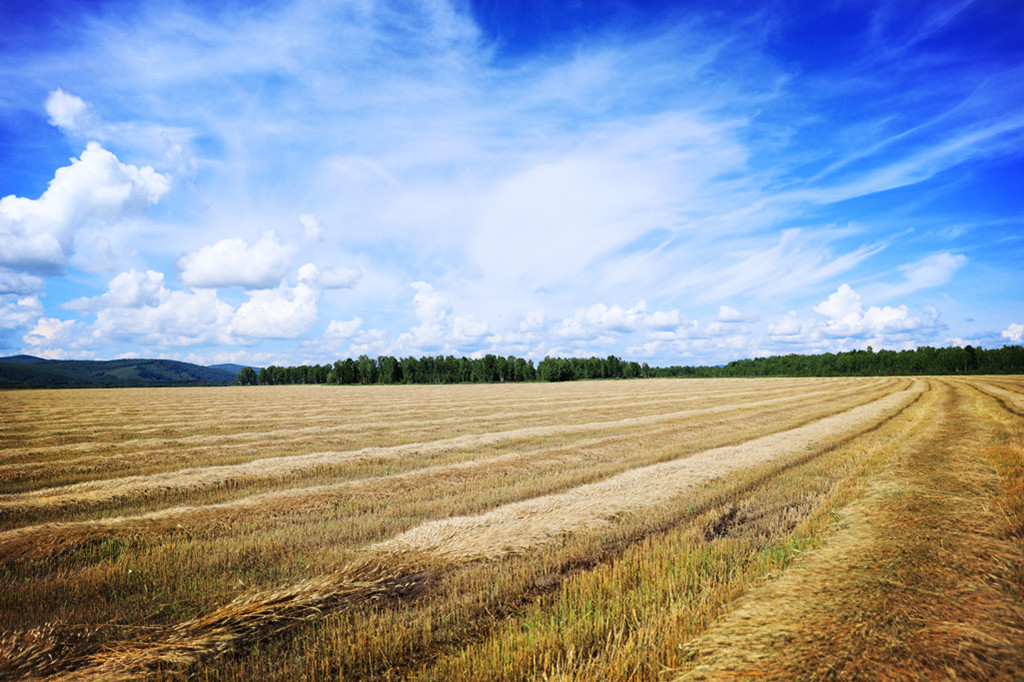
247,377
367,370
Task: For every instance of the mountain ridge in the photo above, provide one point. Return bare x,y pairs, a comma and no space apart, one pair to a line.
27,371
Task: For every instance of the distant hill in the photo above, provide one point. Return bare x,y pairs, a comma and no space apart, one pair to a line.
22,360
25,371
232,367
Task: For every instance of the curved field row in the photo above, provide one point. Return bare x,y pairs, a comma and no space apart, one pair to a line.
165,455
576,548
399,494
92,408
298,425
514,527
162,414
923,568
284,467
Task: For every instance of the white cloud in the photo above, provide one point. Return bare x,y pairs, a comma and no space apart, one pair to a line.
797,260
36,235
16,313
729,314
661,319
338,278
343,329
329,278
127,290
52,335
533,320
841,308
163,145
724,328
600,318
788,325
18,283
931,271
466,328
138,308
242,356
845,317
282,313
311,229
69,113
664,168
179,319
1015,332
231,262
439,330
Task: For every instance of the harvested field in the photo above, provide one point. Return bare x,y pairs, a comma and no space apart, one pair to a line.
593,530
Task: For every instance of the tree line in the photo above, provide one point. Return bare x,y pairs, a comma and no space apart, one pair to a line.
445,369
868,362
490,368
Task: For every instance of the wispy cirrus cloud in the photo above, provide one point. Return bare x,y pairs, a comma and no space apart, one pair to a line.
702,164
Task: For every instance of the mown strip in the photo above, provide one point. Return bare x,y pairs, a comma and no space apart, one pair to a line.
923,583
548,612
452,550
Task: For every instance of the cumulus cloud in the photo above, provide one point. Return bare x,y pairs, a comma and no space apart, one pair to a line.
789,324
343,329
179,318
127,290
1015,332
139,308
16,313
232,262
728,314
56,338
846,316
166,145
36,235
439,330
19,283
329,278
282,313
533,320
600,318
70,113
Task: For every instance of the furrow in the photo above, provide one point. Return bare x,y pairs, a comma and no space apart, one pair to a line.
100,492
404,562
48,539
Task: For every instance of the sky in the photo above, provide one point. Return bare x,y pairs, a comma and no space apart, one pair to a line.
672,183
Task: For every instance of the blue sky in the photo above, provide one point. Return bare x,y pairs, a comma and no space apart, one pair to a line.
676,183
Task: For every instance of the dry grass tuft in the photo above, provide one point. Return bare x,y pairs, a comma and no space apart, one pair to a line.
253,618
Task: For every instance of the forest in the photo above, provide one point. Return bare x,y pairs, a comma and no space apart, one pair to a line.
491,368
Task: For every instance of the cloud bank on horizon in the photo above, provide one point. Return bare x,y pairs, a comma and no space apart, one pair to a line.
301,181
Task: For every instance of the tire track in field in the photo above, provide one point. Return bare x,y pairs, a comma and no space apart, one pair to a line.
405,563
48,539
94,493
